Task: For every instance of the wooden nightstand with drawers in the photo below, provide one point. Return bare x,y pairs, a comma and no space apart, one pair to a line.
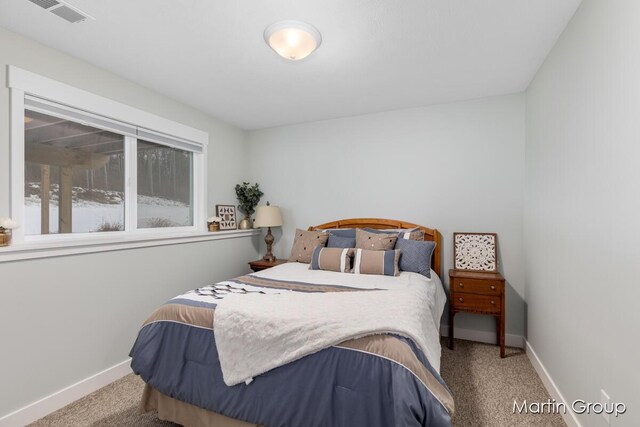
479,293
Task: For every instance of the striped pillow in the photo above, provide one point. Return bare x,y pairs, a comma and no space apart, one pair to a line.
376,262
332,259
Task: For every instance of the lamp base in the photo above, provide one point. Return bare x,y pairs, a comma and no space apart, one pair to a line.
268,239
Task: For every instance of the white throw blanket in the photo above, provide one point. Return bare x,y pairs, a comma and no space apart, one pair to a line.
256,333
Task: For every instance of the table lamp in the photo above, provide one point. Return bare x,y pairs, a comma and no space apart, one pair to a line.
268,216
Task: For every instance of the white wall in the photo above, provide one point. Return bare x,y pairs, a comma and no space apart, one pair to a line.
582,205
65,319
455,167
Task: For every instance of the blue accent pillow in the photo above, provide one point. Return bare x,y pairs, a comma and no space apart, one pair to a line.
415,256
340,241
377,231
343,232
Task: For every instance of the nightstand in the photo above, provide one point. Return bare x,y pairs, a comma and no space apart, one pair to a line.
261,264
479,293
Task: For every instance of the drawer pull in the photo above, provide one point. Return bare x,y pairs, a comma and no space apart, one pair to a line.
460,299
493,287
462,285
493,302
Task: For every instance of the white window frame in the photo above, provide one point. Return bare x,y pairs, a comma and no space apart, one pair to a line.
22,83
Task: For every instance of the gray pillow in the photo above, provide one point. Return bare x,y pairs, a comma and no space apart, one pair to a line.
342,232
403,233
340,242
415,256
381,231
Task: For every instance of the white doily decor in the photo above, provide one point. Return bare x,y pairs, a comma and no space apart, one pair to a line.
476,252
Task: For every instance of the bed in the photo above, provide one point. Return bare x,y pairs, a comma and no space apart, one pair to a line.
378,379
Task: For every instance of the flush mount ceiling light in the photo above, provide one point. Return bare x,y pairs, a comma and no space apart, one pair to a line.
293,40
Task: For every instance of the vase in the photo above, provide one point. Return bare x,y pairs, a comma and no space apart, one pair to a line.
5,238
245,224
214,226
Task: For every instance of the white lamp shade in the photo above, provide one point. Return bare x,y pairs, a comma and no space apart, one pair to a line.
292,40
268,216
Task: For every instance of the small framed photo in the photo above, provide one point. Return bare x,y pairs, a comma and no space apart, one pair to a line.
227,214
475,252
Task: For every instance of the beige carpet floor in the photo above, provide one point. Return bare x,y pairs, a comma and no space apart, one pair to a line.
484,388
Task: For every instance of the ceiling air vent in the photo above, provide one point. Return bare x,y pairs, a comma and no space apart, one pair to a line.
69,14
45,3
63,9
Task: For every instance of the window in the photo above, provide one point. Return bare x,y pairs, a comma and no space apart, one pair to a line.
85,167
165,186
74,177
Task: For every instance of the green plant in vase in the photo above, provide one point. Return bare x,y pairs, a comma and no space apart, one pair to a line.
248,198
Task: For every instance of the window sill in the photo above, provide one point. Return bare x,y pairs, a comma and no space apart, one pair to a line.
25,251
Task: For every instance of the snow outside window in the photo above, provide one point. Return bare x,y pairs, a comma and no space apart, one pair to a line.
74,177
88,174
165,186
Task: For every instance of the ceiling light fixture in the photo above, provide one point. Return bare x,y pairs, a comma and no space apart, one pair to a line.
293,40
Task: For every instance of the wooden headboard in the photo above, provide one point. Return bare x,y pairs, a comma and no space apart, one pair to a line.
429,233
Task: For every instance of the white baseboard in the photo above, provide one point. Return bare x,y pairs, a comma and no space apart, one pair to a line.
62,398
487,337
570,417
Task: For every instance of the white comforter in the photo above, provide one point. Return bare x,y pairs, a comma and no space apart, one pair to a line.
256,333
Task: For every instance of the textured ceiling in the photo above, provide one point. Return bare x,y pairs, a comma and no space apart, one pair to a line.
376,55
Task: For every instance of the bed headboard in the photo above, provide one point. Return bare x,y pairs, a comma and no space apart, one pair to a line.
429,233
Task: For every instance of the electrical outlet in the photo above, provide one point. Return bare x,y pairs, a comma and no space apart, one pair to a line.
606,403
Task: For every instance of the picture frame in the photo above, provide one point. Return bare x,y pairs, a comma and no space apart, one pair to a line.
475,252
228,215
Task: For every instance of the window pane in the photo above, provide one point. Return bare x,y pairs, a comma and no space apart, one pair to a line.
165,186
74,177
